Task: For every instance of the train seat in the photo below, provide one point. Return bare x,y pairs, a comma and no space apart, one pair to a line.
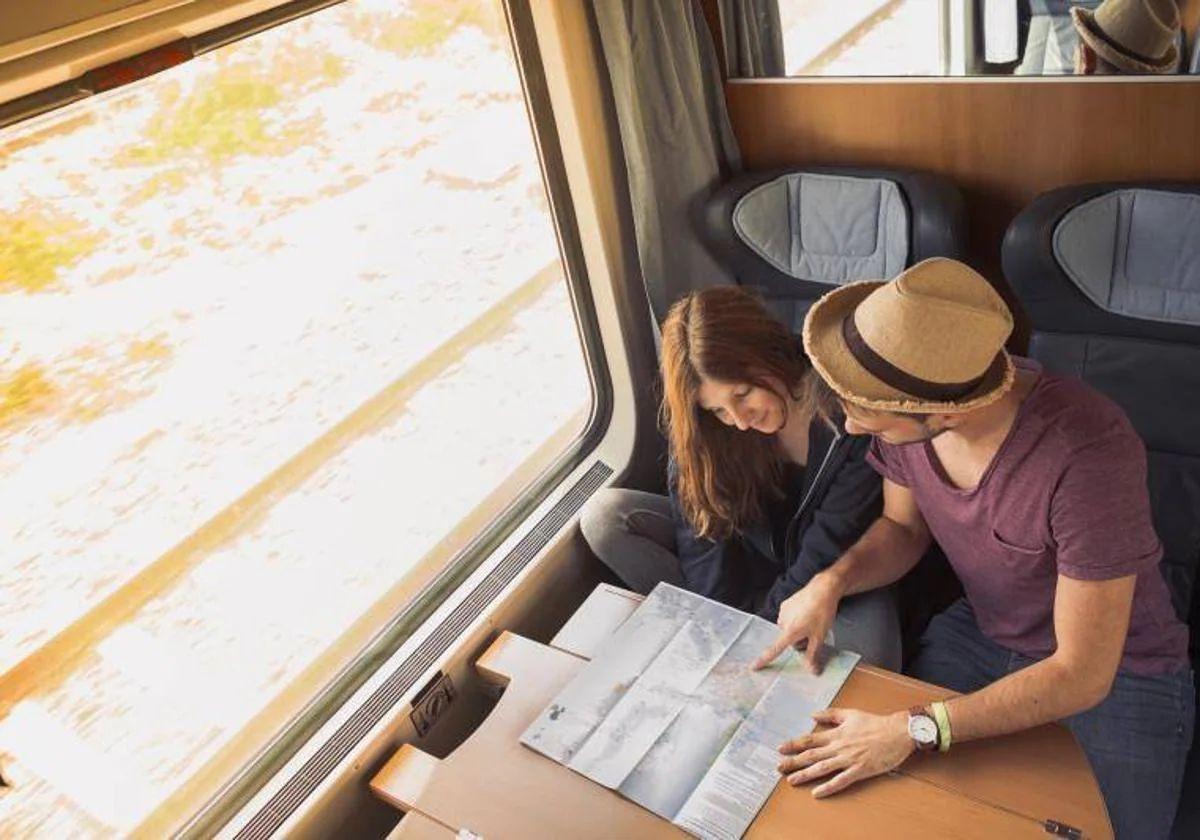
1109,276
795,233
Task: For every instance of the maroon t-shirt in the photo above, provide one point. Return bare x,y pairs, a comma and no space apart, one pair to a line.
1064,495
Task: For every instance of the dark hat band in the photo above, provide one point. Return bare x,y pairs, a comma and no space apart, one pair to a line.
890,375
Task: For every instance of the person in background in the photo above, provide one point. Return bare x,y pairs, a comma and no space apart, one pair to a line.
763,492
1134,37
1034,485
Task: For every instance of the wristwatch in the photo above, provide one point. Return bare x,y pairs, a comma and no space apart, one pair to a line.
923,729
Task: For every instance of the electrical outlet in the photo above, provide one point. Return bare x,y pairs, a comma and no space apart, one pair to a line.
431,702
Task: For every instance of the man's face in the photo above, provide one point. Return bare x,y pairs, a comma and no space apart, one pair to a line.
894,428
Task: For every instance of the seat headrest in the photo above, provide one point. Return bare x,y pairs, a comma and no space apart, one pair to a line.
795,232
1114,259
826,228
1135,252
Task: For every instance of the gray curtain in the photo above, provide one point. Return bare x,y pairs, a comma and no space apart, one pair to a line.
753,38
675,133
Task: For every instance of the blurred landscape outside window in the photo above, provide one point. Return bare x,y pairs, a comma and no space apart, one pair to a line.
281,329
861,37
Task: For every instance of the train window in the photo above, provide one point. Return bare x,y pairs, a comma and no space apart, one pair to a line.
282,328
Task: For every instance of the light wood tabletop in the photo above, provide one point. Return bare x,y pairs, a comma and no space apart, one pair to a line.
494,787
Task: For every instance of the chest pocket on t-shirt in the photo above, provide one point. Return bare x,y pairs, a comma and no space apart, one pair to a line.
1036,559
1008,545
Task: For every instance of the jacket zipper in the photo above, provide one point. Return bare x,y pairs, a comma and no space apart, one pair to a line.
812,488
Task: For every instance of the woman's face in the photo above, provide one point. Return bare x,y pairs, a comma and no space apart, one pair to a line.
743,405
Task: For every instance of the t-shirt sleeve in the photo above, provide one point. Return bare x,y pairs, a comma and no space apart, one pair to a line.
1100,512
888,462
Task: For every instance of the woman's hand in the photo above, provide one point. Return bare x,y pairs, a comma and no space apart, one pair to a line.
857,746
805,617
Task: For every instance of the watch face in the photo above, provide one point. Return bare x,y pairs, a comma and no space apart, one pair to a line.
922,729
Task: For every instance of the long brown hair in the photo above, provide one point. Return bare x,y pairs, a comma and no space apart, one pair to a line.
724,477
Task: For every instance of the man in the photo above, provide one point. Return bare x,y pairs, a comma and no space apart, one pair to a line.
1135,37
1034,485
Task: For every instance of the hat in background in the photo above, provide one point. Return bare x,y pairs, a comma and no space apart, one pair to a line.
1135,36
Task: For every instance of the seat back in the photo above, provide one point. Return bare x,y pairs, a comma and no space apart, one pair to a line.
1109,276
796,233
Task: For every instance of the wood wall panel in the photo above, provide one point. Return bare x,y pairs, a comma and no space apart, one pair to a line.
1002,141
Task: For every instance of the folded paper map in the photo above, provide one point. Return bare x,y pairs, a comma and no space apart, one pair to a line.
670,715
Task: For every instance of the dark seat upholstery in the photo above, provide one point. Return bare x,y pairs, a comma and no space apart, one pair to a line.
1109,277
934,224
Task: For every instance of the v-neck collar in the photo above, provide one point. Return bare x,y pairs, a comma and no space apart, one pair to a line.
935,462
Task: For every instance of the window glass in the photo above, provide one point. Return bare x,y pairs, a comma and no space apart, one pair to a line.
280,330
861,37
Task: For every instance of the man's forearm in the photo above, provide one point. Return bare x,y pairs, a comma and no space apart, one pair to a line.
881,556
1041,693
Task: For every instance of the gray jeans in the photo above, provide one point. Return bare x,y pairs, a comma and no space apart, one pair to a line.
632,533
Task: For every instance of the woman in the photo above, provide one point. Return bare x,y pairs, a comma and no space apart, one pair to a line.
764,492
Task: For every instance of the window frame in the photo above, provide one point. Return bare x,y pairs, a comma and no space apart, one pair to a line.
291,737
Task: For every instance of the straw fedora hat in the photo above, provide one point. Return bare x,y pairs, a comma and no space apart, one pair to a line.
1136,36
929,341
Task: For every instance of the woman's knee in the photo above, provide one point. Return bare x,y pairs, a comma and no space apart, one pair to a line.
632,533
602,516
869,624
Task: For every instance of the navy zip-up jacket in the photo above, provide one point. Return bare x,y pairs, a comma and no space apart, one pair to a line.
838,499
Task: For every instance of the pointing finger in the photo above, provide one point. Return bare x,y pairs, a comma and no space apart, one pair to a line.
768,656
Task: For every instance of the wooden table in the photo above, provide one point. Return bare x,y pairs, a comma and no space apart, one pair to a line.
496,788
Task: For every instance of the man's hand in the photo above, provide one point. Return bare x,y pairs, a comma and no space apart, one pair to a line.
858,746
805,617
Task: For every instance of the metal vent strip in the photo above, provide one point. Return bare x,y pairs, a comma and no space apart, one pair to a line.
306,779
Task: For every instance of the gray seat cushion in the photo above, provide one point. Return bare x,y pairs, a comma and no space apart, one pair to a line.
1135,252
758,245
826,228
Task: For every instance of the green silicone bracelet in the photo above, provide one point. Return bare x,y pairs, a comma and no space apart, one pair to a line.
942,718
